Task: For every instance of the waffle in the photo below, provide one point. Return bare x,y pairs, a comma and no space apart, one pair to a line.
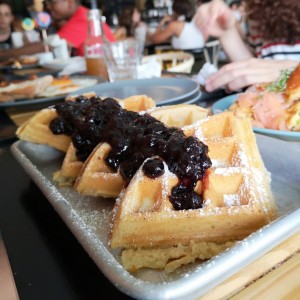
96,179
71,166
36,129
237,200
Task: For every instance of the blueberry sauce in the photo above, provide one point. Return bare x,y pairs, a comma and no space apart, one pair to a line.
134,138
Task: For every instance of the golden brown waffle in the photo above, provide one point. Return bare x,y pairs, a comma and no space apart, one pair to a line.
179,115
96,179
36,130
236,193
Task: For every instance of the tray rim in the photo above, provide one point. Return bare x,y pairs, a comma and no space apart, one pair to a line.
216,269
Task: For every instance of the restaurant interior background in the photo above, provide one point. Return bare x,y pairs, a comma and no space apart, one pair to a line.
152,10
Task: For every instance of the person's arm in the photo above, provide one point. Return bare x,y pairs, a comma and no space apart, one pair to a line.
28,49
162,33
234,45
216,19
237,75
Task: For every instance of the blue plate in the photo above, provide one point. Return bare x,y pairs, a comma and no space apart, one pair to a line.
164,91
223,105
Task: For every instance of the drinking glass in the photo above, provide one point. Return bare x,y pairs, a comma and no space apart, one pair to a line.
122,59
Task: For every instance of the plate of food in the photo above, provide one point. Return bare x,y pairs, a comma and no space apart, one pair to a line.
274,108
23,62
59,63
41,90
156,236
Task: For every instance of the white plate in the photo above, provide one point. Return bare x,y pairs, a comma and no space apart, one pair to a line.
224,104
163,90
88,219
46,101
59,64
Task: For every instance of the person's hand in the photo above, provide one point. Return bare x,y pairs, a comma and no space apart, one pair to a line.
214,18
237,75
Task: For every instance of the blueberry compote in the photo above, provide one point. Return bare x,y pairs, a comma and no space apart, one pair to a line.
134,138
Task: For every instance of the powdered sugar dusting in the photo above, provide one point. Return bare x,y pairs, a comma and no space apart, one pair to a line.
232,199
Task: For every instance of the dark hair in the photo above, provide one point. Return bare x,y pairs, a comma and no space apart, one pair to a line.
183,7
278,20
235,2
125,19
8,3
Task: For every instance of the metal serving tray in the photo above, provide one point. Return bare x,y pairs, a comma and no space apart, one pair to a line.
88,217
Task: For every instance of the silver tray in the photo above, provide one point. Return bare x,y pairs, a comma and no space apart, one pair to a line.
88,217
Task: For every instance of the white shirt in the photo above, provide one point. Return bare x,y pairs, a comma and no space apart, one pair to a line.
190,38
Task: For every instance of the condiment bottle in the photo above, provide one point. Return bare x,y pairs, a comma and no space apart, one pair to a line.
94,53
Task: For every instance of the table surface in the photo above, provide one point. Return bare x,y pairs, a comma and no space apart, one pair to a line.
48,262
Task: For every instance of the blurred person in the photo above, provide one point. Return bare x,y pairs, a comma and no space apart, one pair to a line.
6,21
179,28
235,7
274,28
131,25
274,33
70,18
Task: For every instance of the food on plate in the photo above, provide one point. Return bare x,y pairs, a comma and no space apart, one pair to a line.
97,179
162,222
18,63
90,181
28,59
272,105
293,117
25,88
65,85
42,87
292,90
37,130
172,61
188,186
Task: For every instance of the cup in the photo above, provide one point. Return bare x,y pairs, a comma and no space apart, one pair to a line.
122,59
17,39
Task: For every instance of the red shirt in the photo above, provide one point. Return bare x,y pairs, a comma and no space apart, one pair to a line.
75,30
